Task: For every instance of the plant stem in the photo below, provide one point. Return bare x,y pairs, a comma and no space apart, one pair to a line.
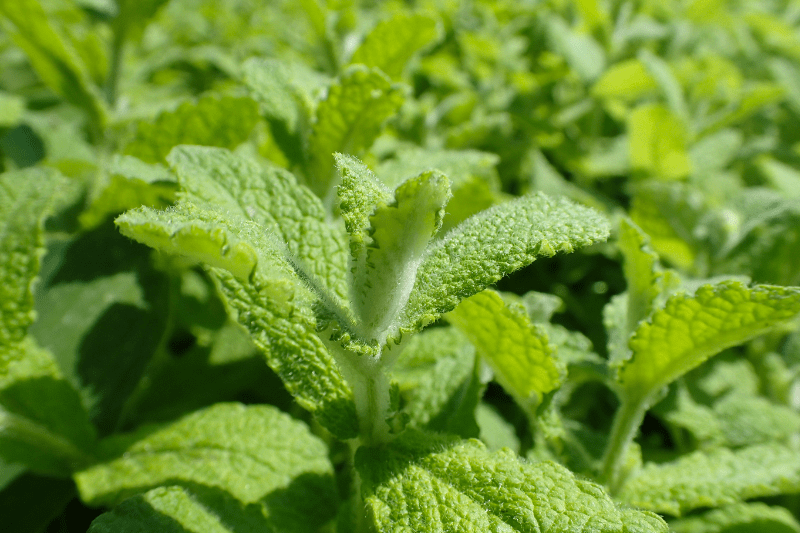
626,422
115,68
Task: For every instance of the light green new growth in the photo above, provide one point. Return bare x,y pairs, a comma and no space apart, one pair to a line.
399,232
425,483
692,328
680,336
393,42
224,121
490,245
248,452
348,120
740,517
520,354
714,478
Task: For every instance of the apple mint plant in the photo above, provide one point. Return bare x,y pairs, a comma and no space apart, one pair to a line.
512,266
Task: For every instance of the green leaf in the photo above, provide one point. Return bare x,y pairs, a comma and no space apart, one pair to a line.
520,354
472,174
691,328
284,331
641,269
739,518
56,62
271,197
263,295
385,269
746,420
393,42
131,183
102,320
714,478
437,379
348,121
179,510
495,431
628,80
360,192
42,422
665,78
580,50
25,197
658,143
201,235
670,214
253,453
424,483
490,245
224,121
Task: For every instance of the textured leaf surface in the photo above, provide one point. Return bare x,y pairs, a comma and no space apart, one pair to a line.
742,518
472,174
492,244
223,121
284,331
348,120
271,197
24,199
400,231
692,328
519,352
714,478
422,483
393,42
437,378
249,452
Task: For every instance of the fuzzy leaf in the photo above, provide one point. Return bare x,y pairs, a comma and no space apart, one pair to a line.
224,121
691,328
746,420
424,483
400,231
203,236
714,478
348,120
490,245
739,518
360,192
519,352
263,295
25,197
271,197
253,453
284,331
393,42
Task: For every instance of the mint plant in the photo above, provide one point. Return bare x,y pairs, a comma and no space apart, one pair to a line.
512,266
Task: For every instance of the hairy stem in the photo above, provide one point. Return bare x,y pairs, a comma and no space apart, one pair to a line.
626,423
